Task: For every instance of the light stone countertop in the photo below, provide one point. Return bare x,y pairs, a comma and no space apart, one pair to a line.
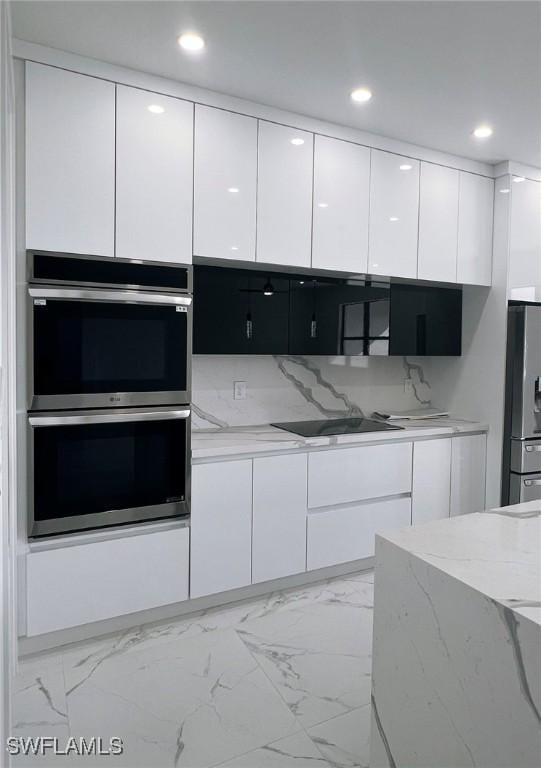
456,676
211,444
496,552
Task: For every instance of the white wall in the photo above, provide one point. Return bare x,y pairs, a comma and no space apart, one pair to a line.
7,421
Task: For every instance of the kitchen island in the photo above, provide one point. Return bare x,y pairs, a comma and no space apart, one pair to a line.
457,643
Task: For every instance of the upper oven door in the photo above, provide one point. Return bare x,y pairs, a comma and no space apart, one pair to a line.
96,348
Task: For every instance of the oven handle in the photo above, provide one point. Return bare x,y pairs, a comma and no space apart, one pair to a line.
529,483
119,297
107,418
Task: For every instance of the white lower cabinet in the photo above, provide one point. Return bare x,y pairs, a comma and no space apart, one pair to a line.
431,480
468,473
83,583
279,516
221,522
344,475
348,533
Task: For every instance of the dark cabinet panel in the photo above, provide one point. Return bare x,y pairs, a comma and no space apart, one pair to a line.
338,318
238,312
252,312
425,321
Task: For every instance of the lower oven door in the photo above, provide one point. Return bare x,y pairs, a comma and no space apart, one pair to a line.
524,488
92,469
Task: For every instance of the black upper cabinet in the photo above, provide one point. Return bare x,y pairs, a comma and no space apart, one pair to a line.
240,312
253,312
425,321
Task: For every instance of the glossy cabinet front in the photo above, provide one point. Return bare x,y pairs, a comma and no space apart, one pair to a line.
394,214
341,205
438,223
233,316
70,162
257,312
284,195
154,176
475,214
225,175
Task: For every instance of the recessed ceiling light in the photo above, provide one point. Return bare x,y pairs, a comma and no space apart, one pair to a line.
156,109
233,189
406,167
297,142
323,205
505,191
483,132
393,218
191,41
518,179
361,95
234,247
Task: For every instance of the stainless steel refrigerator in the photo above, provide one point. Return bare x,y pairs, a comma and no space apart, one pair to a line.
522,433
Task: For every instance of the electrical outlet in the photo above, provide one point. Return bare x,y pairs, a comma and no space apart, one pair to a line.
239,390
408,387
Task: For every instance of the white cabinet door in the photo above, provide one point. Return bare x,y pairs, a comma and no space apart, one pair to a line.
221,523
341,202
394,215
154,176
70,162
431,490
340,476
438,223
79,584
284,195
225,175
348,533
279,516
475,214
468,471
525,241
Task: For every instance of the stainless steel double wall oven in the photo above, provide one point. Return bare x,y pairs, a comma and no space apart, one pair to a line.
109,386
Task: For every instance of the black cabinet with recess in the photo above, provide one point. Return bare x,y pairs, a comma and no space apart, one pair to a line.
238,311
425,321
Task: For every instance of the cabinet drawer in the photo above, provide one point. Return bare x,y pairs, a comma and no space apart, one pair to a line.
354,474
92,582
341,535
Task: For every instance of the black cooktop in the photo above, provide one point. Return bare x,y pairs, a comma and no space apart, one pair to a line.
326,427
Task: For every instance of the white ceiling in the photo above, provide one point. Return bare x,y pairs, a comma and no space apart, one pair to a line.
436,69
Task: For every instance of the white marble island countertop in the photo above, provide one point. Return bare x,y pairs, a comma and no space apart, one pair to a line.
457,643
208,444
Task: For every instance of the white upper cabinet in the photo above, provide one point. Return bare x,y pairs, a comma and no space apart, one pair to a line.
154,176
438,223
475,213
525,239
284,195
225,184
70,162
394,215
341,205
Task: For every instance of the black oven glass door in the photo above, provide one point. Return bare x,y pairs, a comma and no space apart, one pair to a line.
93,353
106,472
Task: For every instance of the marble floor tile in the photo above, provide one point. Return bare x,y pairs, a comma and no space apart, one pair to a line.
345,740
234,685
199,701
296,751
317,656
39,700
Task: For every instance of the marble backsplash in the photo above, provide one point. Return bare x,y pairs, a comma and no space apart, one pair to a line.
287,388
